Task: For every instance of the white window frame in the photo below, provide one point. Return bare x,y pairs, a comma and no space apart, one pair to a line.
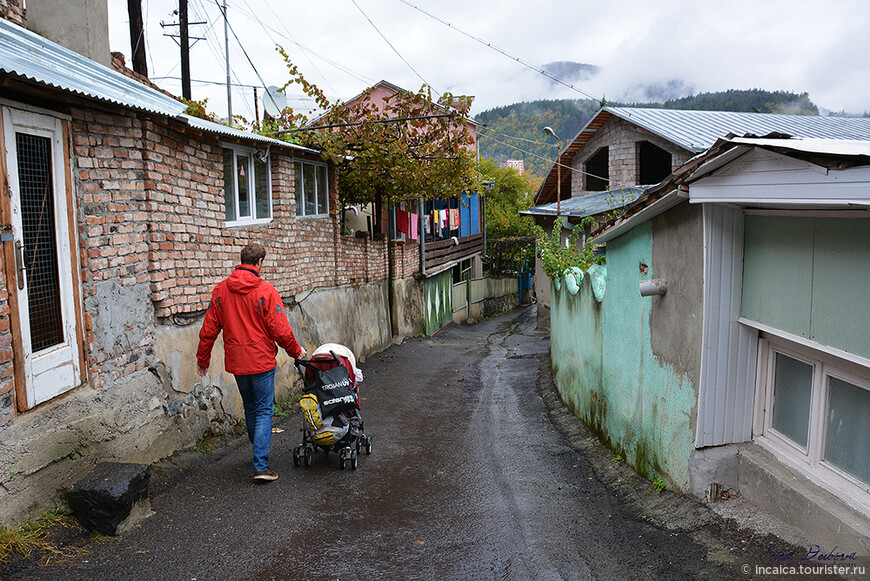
250,152
809,462
299,177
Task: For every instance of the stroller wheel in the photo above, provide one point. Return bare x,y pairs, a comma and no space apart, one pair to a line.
368,444
309,456
354,460
297,456
342,459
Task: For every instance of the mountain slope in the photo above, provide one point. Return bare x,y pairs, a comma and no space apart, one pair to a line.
516,131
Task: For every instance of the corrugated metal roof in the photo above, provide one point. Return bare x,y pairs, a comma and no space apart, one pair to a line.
699,130
590,204
832,147
28,55
32,57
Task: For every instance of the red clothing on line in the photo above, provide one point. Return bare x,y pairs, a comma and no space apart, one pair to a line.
251,315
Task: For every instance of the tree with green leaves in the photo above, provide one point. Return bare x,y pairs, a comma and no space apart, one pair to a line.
511,193
407,146
510,236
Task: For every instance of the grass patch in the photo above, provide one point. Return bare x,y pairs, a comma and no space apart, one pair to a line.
497,315
660,485
34,537
206,445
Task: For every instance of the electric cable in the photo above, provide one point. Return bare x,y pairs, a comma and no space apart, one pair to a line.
563,166
503,52
394,48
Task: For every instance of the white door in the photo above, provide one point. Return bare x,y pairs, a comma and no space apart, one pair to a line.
43,265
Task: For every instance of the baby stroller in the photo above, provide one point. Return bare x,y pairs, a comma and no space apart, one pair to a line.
330,407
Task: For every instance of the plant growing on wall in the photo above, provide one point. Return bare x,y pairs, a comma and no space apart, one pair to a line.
410,146
556,257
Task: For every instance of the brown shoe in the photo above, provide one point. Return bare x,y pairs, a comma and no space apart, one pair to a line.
267,475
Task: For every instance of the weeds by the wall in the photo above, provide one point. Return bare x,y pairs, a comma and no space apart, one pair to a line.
33,537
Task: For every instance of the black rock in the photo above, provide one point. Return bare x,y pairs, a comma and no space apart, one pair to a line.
105,497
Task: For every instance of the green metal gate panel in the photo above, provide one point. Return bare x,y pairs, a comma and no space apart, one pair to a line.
809,277
438,291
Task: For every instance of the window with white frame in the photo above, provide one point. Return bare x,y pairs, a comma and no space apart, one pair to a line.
814,408
312,189
247,184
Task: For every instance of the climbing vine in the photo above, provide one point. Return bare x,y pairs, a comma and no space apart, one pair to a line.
556,257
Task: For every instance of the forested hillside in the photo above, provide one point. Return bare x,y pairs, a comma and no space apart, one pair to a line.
516,131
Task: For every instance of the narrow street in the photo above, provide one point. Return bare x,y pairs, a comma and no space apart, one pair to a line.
470,477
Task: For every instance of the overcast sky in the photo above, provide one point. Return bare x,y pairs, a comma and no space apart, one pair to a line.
344,46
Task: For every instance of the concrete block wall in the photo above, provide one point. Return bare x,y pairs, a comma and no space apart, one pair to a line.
621,137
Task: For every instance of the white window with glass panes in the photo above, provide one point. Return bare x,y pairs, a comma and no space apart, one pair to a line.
813,408
312,189
247,185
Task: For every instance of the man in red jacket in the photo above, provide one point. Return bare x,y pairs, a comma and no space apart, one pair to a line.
251,314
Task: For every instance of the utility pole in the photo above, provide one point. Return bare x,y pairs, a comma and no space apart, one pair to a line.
185,49
256,109
227,51
137,37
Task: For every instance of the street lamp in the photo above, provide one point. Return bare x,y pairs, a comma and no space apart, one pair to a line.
549,131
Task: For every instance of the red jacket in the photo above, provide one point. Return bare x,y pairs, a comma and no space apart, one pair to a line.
251,315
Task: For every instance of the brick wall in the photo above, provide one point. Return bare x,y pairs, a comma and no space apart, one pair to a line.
621,138
13,11
152,240
7,384
151,206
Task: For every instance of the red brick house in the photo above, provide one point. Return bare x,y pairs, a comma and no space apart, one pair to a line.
123,213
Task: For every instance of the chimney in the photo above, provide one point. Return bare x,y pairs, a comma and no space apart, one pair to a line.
79,25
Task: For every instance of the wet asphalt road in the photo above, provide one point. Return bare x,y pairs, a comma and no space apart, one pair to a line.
468,479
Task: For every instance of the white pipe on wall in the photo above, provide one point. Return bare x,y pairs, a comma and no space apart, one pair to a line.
656,286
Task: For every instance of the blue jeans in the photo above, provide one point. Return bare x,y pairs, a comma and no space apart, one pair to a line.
258,396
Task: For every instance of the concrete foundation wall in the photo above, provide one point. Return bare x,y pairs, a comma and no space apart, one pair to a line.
638,401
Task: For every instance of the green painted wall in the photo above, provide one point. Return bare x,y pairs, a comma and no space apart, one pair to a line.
438,301
607,373
806,275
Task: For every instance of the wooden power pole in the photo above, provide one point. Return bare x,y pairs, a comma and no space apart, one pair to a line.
137,37
185,49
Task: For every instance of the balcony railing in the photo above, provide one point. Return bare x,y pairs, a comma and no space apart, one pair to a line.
444,252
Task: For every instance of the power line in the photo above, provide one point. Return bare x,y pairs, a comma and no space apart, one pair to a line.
224,84
563,166
358,76
505,53
250,62
393,47
269,6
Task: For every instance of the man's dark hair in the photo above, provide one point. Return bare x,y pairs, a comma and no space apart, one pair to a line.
253,253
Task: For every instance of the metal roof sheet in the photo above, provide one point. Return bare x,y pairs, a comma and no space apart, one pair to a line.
32,57
832,147
698,130
590,204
